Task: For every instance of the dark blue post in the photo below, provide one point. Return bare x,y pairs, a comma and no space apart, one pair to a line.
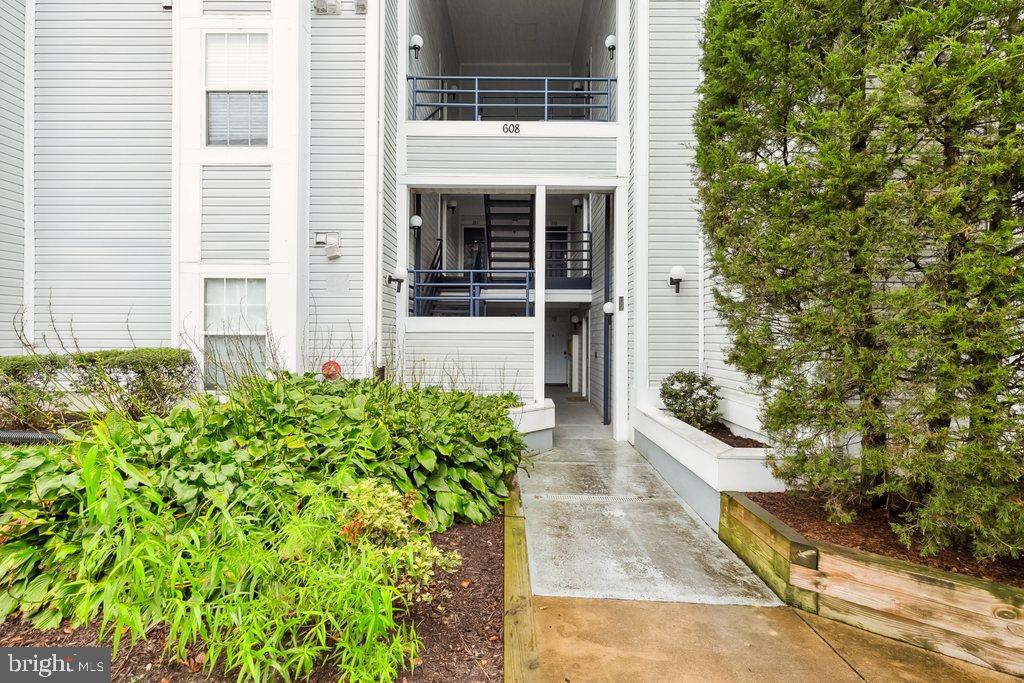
607,297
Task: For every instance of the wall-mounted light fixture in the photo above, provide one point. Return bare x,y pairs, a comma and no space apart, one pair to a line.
415,222
452,206
416,44
323,7
400,275
608,308
611,42
676,276
577,204
577,86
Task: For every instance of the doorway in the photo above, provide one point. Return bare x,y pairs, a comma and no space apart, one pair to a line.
557,352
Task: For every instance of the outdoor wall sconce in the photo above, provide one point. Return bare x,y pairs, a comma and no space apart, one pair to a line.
608,308
611,42
675,277
415,222
322,7
577,86
400,275
452,205
416,44
577,204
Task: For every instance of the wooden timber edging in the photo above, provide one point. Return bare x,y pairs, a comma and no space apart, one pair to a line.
522,662
978,621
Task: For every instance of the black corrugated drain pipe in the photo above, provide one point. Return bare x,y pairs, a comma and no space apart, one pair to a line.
28,438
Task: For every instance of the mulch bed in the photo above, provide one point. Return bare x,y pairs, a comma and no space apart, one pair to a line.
461,630
871,531
723,433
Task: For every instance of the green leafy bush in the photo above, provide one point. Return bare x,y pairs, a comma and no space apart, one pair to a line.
272,553
692,398
861,175
46,392
283,527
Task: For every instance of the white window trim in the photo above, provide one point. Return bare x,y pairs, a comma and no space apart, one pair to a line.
200,305
247,87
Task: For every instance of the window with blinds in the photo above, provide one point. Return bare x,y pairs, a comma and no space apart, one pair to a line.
237,78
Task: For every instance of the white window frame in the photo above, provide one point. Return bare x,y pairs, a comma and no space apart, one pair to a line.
205,277
243,87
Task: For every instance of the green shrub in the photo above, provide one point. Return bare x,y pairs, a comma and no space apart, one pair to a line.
692,398
861,175
270,573
51,391
281,528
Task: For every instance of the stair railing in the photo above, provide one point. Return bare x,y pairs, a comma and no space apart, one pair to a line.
475,288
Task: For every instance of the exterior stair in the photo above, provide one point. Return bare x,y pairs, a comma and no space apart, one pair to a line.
509,236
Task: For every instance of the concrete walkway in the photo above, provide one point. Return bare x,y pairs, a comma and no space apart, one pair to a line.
630,585
601,523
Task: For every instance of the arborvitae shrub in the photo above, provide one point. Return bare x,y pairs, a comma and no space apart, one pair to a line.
862,183
691,397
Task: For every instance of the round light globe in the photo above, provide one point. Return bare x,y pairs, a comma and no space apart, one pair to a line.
416,42
608,308
677,273
401,274
611,42
415,222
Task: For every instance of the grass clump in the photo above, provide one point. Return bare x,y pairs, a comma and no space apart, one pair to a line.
283,528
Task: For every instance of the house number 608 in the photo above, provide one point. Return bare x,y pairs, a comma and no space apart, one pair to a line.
510,129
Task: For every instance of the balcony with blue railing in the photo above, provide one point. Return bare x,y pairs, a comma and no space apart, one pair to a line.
511,98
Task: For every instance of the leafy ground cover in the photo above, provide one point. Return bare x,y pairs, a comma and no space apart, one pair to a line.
281,529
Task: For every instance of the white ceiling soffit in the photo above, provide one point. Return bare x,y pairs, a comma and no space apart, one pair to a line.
516,31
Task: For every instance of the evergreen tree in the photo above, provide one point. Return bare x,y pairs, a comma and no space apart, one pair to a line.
862,181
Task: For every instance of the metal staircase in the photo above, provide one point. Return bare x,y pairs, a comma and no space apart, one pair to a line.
509,234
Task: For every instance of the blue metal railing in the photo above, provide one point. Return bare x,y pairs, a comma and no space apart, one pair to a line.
511,98
466,293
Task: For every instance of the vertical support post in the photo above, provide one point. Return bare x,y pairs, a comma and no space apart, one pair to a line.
608,234
546,98
539,283
608,100
476,98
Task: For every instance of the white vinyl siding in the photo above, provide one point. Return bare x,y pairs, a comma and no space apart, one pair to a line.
12,168
236,213
597,317
236,6
490,361
631,217
674,231
498,155
389,188
102,173
336,189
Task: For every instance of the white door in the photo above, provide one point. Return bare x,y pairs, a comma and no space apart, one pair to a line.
556,350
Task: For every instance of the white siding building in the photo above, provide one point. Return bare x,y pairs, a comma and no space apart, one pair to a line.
481,193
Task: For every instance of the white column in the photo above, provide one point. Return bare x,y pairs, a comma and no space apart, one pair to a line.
540,264
288,282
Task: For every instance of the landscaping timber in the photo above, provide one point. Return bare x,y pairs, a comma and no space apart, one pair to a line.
960,616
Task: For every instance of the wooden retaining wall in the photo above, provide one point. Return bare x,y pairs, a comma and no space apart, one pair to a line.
978,621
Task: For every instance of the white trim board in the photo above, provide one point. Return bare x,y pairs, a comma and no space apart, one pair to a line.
29,177
719,465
